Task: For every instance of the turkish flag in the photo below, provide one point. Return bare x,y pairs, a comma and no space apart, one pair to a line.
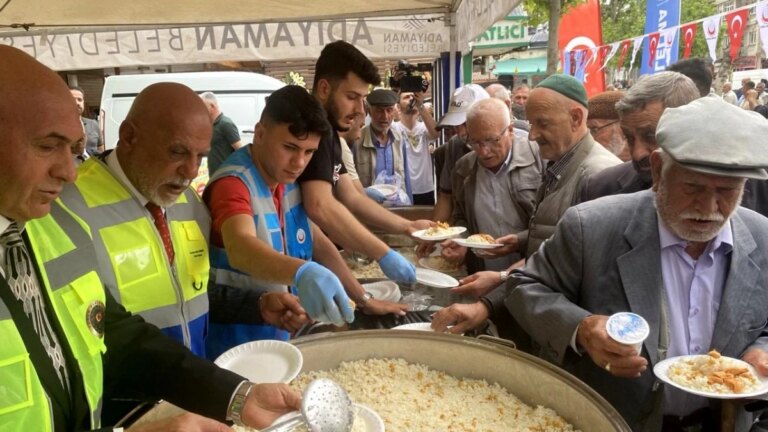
580,29
689,35
624,49
602,52
653,44
737,23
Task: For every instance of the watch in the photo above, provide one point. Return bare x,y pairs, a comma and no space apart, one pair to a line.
504,275
238,402
366,296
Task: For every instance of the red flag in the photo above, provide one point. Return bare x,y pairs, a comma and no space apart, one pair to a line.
580,29
689,35
737,22
653,43
624,49
602,52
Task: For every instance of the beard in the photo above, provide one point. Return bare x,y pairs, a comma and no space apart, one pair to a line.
150,188
334,115
677,221
643,169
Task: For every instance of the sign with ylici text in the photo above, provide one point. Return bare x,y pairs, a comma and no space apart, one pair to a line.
391,37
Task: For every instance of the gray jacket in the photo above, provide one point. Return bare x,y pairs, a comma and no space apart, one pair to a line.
590,158
525,177
604,258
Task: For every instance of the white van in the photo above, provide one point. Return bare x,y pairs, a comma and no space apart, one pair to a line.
754,74
241,96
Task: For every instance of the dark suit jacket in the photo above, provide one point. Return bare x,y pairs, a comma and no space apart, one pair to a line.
140,363
568,279
756,196
619,179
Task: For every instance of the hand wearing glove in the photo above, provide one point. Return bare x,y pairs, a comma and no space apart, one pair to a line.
375,195
321,294
397,268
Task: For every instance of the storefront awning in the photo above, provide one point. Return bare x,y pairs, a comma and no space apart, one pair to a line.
533,65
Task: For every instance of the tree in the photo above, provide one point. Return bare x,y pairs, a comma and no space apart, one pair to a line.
541,11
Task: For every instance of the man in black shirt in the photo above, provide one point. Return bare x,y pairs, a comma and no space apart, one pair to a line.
342,78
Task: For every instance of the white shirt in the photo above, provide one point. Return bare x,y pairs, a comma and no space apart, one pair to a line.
419,160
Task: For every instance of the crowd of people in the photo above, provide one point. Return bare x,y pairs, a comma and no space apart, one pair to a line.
118,280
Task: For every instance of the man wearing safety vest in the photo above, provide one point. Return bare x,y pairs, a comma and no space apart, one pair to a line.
149,227
64,337
261,235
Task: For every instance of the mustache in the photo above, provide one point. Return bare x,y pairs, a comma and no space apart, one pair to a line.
180,182
708,217
643,164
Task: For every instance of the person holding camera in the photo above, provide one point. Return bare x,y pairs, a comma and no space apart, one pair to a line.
418,135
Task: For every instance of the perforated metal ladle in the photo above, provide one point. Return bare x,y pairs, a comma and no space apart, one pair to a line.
325,407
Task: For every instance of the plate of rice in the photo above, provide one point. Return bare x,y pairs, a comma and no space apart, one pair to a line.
713,376
478,241
441,231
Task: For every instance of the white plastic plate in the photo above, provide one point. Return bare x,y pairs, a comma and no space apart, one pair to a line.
384,290
435,279
662,368
473,245
264,361
453,232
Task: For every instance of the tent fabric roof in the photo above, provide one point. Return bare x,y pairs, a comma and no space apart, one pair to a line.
60,13
521,66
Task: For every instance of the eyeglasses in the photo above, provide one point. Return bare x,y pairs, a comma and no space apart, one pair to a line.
488,142
595,129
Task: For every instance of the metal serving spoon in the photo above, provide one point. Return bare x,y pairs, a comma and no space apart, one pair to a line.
325,407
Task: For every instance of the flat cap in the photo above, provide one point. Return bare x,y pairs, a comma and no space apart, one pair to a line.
567,86
603,105
712,136
382,97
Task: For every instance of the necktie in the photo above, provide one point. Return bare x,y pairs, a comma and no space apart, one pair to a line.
23,283
162,228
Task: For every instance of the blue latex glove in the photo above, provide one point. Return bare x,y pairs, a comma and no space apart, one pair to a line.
375,195
321,294
397,268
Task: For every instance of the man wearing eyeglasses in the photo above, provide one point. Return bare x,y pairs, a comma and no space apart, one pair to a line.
603,123
494,188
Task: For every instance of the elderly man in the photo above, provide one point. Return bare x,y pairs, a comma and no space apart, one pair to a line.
687,258
603,123
557,110
456,117
226,136
68,337
138,204
380,155
640,110
494,186
342,77
729,95
520,94
261,235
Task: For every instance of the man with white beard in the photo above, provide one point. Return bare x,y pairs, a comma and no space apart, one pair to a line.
686,258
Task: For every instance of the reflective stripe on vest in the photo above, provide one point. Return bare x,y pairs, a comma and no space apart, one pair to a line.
131,256
298,237
66,264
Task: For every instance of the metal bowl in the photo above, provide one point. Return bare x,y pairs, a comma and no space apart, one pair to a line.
532,380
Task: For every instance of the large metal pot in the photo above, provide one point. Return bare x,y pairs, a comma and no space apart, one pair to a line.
533,380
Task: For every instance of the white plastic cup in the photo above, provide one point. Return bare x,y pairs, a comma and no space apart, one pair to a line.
628,328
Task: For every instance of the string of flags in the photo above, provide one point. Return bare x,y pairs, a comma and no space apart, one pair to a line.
575,62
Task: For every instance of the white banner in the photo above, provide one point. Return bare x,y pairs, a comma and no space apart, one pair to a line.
614,49
638,43
667,42
761,11
474,17
711,29
393,37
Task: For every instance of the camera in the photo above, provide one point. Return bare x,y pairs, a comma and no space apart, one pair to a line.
410,82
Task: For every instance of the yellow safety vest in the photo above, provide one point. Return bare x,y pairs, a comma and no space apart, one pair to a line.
132,261
66,261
